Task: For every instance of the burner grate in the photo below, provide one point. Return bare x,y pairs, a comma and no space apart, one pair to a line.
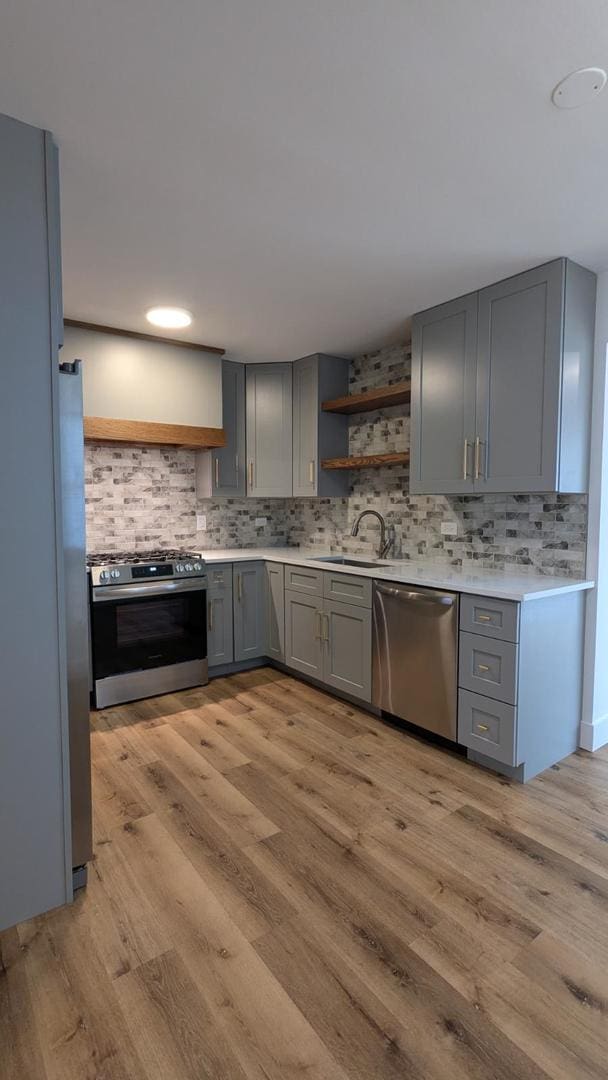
118,558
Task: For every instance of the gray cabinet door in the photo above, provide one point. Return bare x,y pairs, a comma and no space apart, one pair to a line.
269,430
228,462
249,588
347,643
305,425
275,610
303,630
443,397
518,381
219,615
34,761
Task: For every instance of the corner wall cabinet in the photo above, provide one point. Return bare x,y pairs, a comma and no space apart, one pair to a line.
501,386
269,430
222,471
316,434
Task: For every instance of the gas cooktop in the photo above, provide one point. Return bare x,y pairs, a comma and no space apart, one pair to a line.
125,558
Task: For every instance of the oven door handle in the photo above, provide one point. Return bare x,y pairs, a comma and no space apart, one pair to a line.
146,589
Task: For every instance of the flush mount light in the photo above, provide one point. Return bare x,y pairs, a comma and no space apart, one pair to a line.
170,318
578,88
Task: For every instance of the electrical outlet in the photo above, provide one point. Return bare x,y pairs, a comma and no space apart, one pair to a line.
201,522
449,528
260,521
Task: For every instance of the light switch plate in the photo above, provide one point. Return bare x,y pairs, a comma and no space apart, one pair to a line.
201,522
260,521
449,528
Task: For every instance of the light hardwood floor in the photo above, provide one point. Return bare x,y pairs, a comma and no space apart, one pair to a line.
285,887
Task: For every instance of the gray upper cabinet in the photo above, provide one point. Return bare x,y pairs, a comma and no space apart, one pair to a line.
249,589
222,471
317,434
501,387
34,801
269,430
444,342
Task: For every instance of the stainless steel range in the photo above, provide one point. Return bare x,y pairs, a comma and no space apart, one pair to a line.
148,624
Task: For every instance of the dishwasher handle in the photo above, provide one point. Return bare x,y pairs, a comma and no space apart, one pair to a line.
413,596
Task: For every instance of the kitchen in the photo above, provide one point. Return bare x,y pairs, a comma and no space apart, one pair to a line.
337,620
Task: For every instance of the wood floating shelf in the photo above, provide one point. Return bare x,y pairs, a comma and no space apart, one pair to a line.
104,429
379,398
369,461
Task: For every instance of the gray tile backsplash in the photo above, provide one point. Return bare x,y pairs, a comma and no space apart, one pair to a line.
143,497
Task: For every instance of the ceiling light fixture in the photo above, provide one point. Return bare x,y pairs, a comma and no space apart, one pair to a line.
578,88
170,318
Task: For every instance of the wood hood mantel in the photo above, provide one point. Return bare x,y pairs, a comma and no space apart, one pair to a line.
106,429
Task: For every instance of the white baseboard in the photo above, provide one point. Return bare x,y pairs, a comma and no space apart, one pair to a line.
594,735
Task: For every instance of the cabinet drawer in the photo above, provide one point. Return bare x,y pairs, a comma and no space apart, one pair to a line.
488,726
488,667
493,618
304,580
219,576
347,588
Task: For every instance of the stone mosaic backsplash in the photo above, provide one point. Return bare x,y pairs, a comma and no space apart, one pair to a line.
143,497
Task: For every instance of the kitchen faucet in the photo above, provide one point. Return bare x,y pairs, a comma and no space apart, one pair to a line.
385,542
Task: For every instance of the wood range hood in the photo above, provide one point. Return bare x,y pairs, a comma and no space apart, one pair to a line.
149,432
152,433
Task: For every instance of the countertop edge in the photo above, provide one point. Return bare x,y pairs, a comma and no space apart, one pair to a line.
489,588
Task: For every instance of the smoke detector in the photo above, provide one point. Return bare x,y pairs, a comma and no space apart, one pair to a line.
578,88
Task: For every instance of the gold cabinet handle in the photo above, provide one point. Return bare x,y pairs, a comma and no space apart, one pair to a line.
251,474
483,667
477,456
210,615
326,637
483,727
319,632
236,462
311,472
217,472
239,587
484,618
465,460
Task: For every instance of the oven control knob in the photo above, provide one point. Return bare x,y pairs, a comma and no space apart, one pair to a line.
179,568
197,566
188,566
115,573
104,575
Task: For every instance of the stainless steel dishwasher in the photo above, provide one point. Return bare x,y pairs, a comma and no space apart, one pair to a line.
415,655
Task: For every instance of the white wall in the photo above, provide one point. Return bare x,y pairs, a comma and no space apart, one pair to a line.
127,379
594,727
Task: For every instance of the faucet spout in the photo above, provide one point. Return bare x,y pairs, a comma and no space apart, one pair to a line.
385,544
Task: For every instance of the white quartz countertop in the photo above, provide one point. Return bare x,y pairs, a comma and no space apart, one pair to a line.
507,586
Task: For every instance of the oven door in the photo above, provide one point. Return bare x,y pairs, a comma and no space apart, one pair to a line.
137,627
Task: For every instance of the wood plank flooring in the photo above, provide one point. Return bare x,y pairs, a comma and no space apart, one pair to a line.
285,887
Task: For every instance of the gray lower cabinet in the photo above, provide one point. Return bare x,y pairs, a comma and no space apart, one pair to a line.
498,404
330,641
519,701
347,663
269,430
275,610
303,633
249,607
318,434
220,649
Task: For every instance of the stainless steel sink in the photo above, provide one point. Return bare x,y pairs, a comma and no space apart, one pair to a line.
340,560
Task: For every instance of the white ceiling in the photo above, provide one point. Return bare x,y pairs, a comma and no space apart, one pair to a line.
304,174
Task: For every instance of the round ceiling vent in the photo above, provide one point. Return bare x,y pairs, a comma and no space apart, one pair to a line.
579,87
